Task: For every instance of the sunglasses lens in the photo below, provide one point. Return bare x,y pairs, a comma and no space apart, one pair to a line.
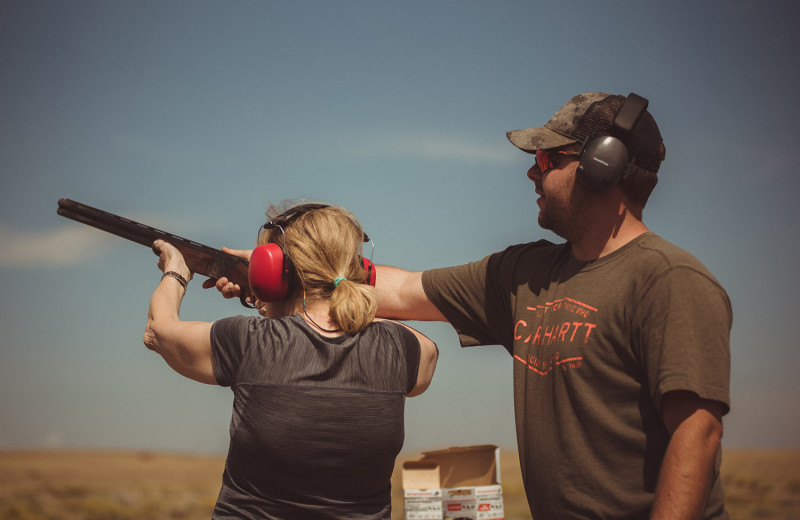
544,160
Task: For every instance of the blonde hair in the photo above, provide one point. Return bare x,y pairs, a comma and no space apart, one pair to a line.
325,244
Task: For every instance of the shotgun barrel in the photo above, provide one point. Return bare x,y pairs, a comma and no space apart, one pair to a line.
201,259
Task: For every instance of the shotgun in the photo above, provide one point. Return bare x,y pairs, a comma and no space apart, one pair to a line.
202,260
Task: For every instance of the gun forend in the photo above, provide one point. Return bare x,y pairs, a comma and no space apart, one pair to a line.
201,259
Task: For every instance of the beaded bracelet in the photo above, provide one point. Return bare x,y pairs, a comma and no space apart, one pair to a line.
177,276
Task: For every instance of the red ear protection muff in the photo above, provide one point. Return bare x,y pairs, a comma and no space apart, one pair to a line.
371,273
271,271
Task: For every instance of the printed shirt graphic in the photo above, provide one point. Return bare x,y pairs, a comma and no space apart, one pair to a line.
567,331
594,347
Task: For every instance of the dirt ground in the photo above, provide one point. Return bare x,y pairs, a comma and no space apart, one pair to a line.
50,485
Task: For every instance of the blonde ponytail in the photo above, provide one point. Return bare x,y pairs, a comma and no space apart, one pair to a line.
353,306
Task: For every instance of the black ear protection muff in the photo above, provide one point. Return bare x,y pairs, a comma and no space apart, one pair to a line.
604,158
271,272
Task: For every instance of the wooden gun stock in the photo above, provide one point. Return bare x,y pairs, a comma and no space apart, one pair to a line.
201,259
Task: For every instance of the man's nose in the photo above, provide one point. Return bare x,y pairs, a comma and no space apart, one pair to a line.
534,173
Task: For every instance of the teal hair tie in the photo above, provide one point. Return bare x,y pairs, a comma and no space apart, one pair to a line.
336,282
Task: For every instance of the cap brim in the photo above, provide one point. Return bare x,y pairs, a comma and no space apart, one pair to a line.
540,138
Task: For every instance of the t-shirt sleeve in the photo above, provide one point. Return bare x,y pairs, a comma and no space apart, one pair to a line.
228,346
684,335
395,361
413,353
475,298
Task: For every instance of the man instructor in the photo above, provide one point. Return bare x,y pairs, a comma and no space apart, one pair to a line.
619,339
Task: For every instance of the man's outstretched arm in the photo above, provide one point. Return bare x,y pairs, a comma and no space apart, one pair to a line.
401,296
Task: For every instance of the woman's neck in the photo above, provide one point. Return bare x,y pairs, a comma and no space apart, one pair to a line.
317,314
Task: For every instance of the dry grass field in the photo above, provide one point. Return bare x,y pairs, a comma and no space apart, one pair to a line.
51,485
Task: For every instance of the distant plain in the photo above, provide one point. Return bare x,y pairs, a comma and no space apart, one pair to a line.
75,485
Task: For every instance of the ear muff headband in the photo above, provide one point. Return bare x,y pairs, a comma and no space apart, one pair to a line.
604,159
271,271
293,213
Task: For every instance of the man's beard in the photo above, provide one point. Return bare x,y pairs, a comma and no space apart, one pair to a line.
568,220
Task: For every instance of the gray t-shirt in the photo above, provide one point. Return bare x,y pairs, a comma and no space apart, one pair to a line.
317,422
595,346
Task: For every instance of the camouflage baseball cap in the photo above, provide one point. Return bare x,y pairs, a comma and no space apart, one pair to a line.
585,116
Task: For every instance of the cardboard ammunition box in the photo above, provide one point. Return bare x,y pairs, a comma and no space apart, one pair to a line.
460,483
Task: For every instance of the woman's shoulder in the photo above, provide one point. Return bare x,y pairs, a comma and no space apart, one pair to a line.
395,333
389,325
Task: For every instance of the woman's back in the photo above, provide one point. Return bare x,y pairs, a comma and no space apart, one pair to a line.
317,421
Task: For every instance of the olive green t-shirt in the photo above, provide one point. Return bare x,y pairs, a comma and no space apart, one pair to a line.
594,346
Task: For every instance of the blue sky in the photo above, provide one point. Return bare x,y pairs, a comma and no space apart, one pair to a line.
194,116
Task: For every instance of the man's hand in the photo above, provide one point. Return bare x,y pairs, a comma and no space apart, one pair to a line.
227,288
